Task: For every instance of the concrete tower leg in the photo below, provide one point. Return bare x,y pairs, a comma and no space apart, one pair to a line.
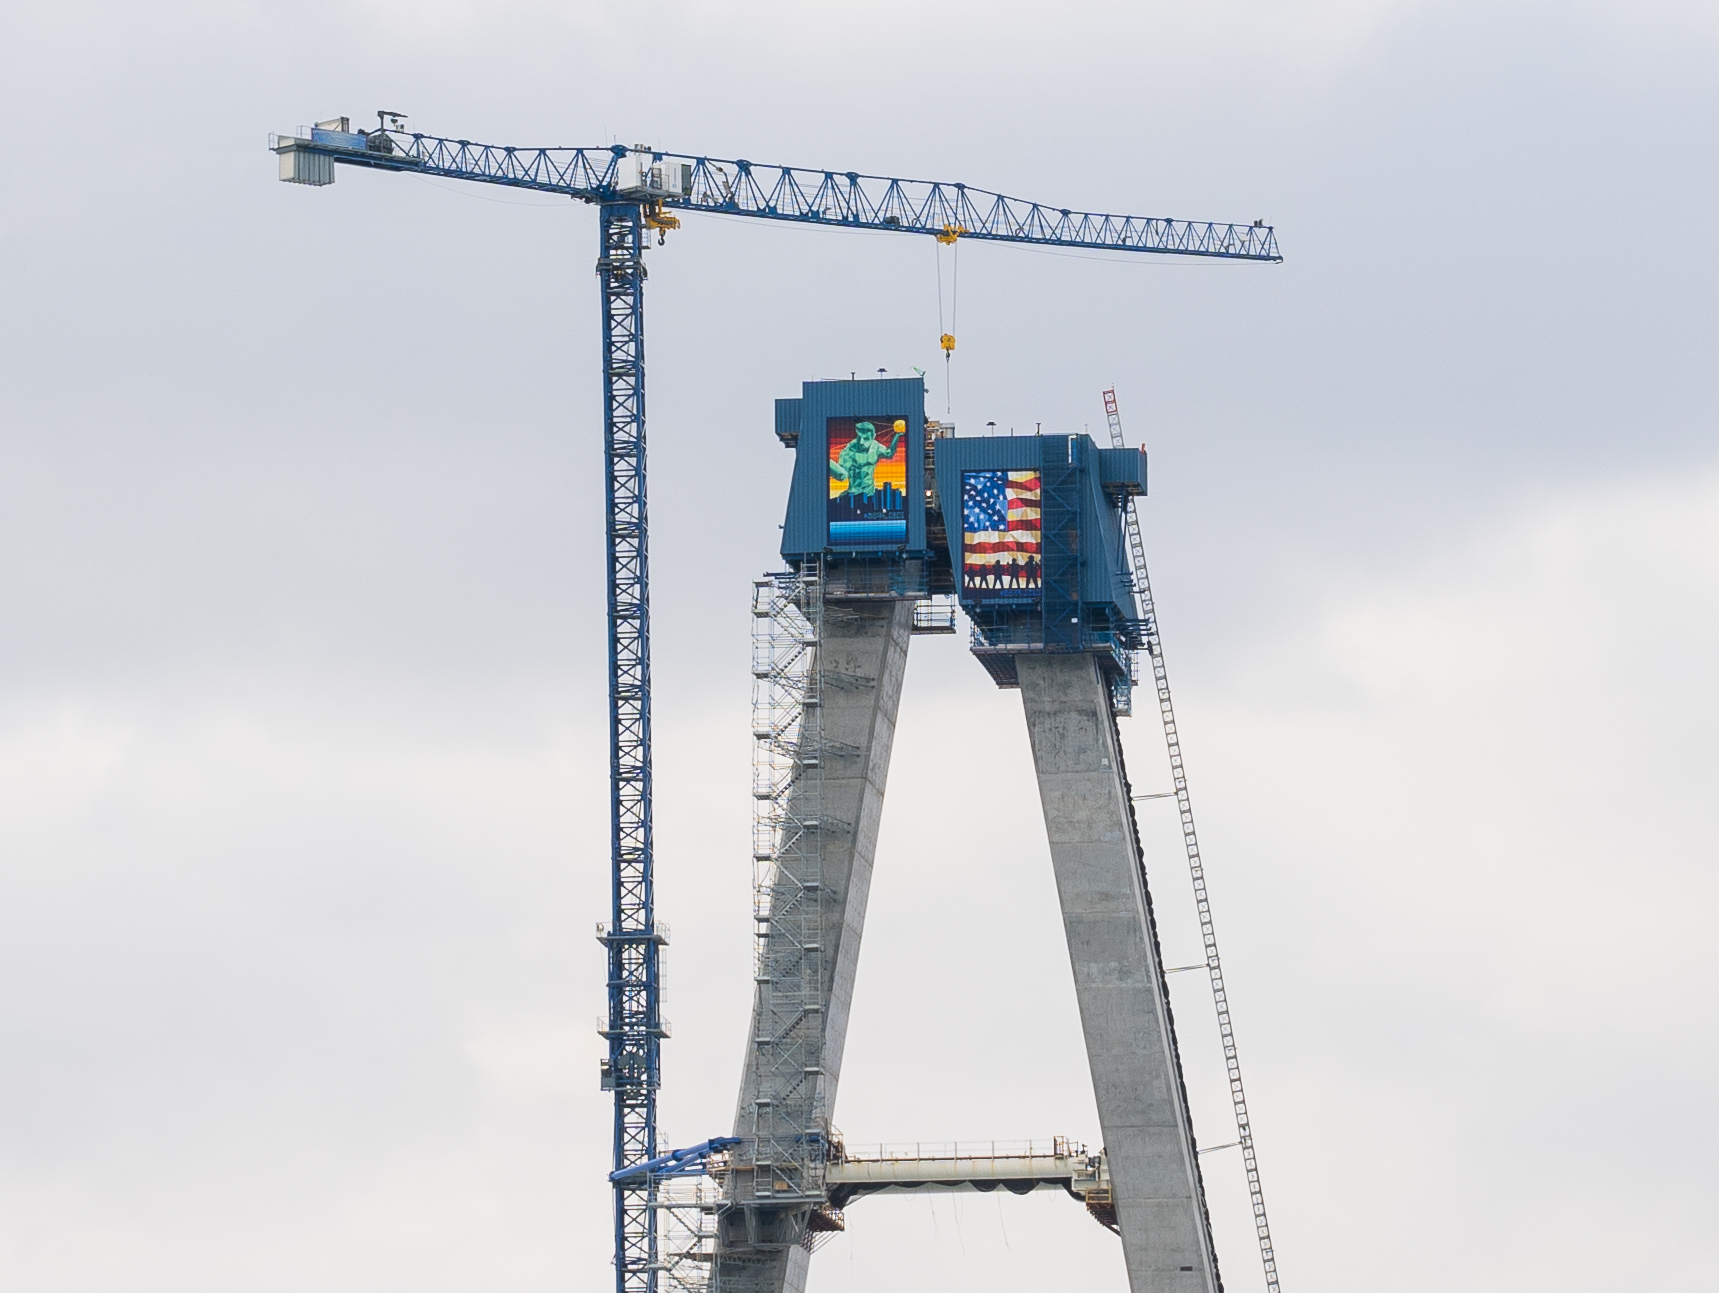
760,1248
1124,1007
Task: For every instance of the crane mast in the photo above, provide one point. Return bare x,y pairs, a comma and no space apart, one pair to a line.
637,192
635,1028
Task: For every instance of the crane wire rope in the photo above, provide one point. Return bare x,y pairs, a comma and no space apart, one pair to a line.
1196,868
950,238
942,331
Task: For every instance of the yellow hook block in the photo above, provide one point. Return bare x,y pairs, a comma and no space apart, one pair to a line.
656,217
947,341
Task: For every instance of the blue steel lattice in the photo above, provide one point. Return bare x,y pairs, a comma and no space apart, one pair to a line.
635,1023
837,198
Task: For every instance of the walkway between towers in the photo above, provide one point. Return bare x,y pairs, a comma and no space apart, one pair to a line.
1019,1167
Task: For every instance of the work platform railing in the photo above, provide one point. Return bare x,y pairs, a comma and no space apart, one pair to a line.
1020,1167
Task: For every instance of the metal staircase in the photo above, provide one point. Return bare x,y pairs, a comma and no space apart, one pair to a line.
781,1159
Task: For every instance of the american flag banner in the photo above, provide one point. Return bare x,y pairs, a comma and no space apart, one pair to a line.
1000,553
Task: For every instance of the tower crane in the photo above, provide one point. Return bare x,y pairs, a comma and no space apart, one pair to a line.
639,191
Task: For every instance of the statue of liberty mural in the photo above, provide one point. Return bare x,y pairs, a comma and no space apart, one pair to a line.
858,460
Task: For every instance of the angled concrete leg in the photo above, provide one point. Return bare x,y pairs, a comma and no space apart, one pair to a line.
1130,1041
760,1248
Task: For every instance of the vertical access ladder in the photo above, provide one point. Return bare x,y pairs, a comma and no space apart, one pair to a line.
1196,868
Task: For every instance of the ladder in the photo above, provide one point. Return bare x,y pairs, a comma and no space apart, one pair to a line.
1196,868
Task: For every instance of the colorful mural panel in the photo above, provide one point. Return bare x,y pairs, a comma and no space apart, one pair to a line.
1001,549
868,481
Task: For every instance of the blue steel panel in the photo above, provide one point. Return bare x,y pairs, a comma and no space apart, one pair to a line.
788,422
1060,512
1123,469
806,528
1099,554
1101,572
956,454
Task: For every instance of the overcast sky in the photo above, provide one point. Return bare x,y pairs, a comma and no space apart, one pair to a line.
302,761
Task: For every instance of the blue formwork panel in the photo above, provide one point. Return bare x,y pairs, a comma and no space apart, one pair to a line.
1035,528
1027,530
1123,471
788,422
859,468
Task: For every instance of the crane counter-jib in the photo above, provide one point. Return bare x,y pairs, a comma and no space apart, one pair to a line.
807,196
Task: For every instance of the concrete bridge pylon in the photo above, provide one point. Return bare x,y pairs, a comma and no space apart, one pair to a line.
1028,535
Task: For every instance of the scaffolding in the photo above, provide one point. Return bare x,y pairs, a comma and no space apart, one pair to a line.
681,1195
686,1208
781,1158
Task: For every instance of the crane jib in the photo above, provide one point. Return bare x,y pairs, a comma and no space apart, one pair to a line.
743,188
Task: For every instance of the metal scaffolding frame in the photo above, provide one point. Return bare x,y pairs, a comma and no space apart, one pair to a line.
681,1194
781,1159
685,1209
